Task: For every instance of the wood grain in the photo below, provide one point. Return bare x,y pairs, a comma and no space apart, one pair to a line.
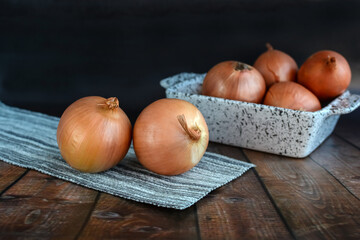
9,174
282,198
314,204
341,160
118,218
41,207
240,209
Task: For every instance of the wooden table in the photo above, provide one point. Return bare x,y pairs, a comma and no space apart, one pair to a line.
282,198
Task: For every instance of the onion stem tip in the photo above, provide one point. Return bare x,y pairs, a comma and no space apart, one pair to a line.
269,47
194,133
112,102
242,66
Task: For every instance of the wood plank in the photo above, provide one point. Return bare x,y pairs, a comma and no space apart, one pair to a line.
341,160
314,204
241,209
41,207
118,218
8,174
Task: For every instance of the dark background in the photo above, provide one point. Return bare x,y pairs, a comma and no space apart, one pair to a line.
55,52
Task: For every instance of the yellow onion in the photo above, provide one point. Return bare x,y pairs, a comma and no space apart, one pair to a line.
276,66
170,136
236,81
94,134
326,73
292,95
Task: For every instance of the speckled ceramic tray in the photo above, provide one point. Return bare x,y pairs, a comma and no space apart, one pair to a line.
256,126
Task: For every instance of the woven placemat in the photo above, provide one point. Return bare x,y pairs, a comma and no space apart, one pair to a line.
28,139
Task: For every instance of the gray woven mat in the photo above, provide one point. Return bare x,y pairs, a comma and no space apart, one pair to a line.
28,139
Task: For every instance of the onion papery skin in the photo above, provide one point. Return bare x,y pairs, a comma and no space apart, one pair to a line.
160,142
326,73
276,66
93,136
292,95
236,81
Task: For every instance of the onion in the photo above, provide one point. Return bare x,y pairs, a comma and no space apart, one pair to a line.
326,73
236,81
292,95
276,66
94,134
170,136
